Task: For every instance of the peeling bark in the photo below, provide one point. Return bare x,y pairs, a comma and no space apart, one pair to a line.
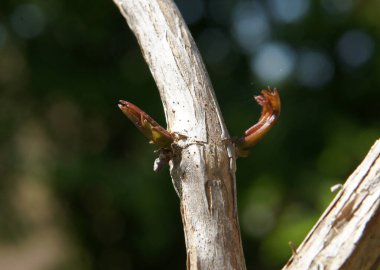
347,236
203,163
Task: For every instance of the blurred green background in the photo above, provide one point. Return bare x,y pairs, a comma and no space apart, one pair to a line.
77,190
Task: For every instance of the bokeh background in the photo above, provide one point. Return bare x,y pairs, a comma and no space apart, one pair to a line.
77,190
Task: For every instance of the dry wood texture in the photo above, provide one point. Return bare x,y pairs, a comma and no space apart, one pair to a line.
203,167
347,236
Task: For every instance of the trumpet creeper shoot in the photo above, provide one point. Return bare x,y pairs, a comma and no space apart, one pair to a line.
269,100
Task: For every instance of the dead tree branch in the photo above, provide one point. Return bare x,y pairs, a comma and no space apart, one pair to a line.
347,236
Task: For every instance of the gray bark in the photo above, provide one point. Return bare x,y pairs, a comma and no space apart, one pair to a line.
347,236
203,166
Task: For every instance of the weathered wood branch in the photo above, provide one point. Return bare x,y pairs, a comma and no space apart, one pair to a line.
347,236
203,166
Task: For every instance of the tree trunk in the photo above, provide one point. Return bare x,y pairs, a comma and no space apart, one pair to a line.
347,236
203,165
